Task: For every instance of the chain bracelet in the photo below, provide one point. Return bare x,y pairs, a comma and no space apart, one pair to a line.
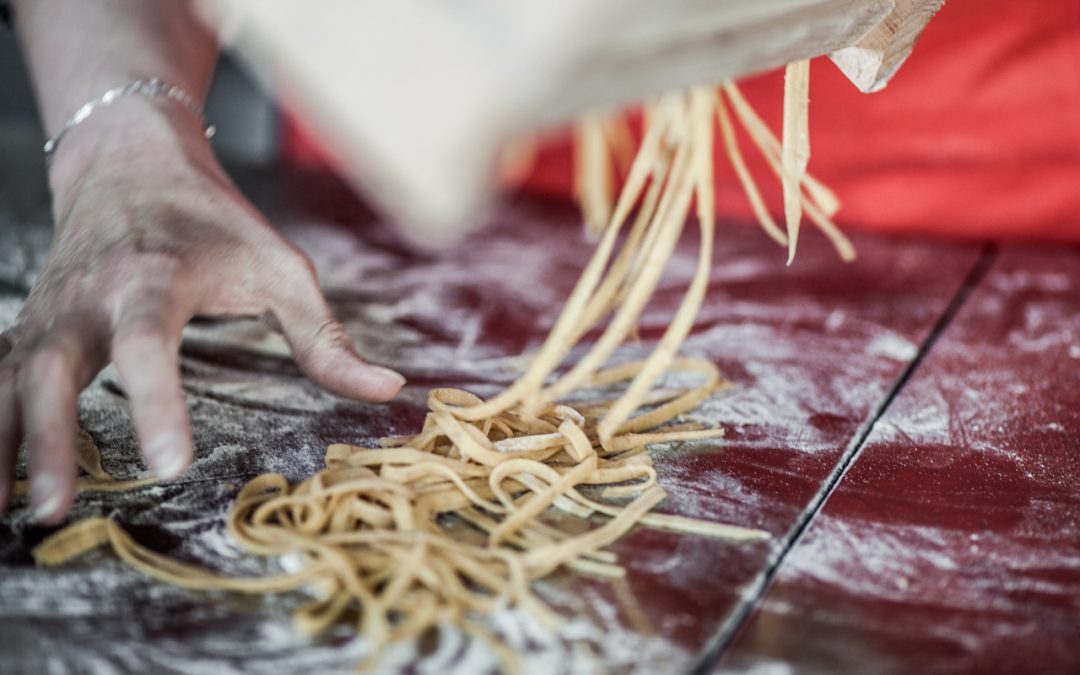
151,88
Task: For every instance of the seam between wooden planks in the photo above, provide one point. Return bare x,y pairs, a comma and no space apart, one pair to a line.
754,592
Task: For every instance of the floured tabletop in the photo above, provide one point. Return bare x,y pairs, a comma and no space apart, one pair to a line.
905,427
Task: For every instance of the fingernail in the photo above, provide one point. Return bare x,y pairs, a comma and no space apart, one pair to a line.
166,456
45,496
390,375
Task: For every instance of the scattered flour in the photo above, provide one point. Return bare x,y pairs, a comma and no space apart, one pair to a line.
892,346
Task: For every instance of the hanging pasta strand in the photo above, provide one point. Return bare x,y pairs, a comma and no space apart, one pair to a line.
771,148
620,139
749,186
700,112
818,201
610,293
594,184
795,155
655,251
559,341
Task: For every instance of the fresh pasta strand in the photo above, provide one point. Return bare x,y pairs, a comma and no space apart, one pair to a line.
770,146
88,457
598,145
795,154
750,188
594,183
602,144
819,202
381,547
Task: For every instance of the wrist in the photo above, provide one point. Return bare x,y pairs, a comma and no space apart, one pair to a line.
125,136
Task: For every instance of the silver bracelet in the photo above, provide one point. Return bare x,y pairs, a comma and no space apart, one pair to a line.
150,88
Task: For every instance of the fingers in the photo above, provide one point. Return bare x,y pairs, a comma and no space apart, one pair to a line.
41,376
322,347
145,350
49,380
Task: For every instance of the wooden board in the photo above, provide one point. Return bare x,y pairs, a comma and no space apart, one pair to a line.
417,96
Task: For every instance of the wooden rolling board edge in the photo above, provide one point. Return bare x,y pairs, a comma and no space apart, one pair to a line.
417,96
619,70
872,61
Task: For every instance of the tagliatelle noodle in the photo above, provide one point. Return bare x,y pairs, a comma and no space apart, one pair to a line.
592,159
88,458
750,188
795,154
819,202
771,146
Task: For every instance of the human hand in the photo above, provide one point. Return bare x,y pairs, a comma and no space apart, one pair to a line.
149,233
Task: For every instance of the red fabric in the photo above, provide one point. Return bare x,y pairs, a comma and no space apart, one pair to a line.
977,136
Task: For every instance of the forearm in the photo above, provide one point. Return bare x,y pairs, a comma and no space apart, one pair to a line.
78,49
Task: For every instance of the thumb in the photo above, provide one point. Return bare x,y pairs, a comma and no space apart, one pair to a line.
325,353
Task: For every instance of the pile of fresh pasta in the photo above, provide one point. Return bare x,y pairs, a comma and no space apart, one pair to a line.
461,518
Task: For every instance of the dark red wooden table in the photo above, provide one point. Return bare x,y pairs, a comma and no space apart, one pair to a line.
904,426
952,542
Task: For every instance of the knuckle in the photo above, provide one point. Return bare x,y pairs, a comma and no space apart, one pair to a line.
321,355
139,338
307,354
332,333
315,365
297,267
295,291
145,287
